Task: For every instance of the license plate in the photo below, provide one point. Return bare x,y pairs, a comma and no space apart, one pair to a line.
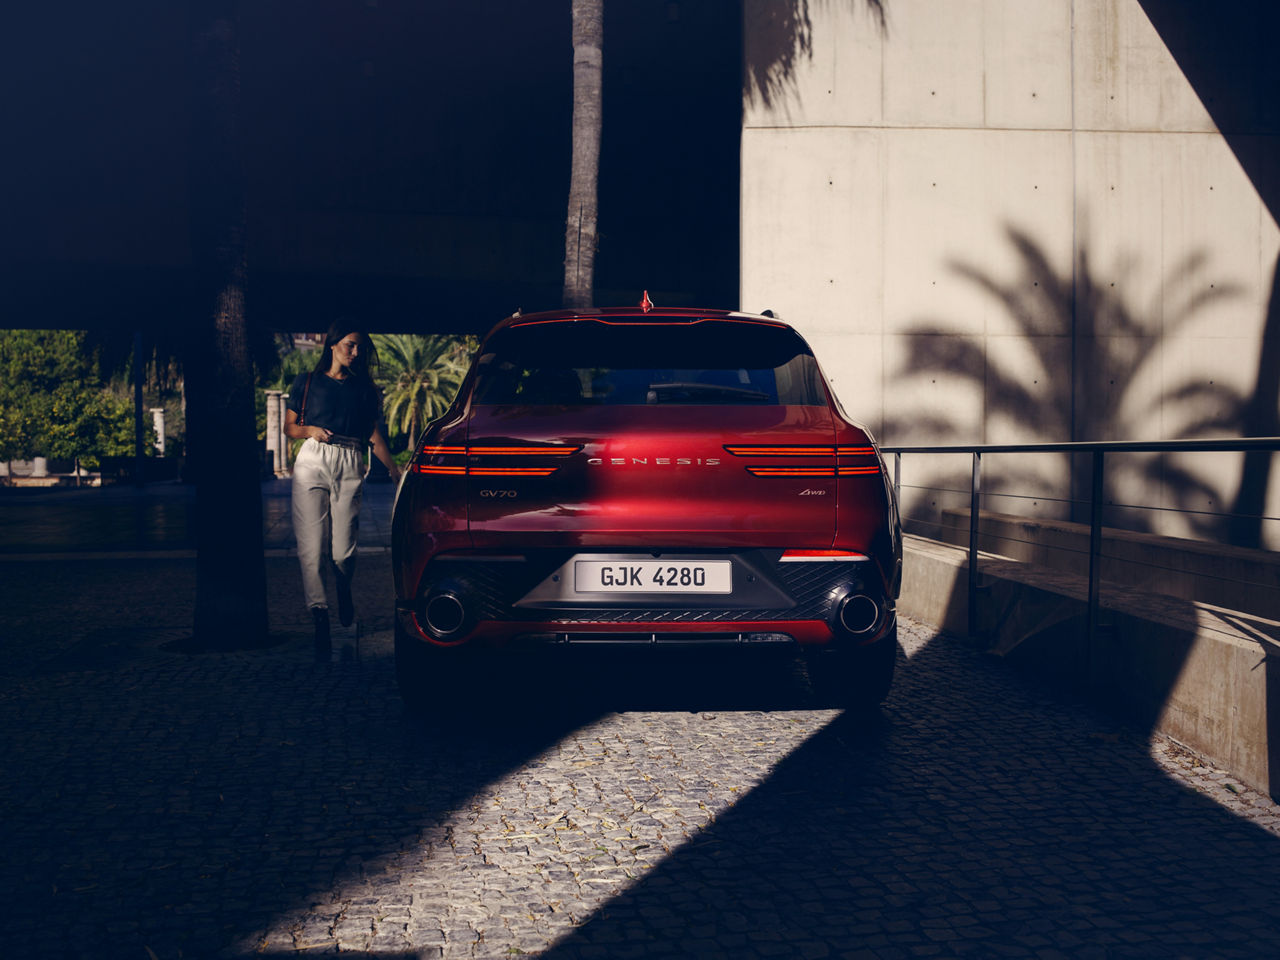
653,576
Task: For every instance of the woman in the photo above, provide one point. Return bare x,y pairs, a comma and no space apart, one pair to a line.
335,409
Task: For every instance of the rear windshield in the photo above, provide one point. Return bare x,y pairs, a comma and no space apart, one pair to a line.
590,363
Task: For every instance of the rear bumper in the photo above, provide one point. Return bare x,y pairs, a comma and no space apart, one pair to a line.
501,601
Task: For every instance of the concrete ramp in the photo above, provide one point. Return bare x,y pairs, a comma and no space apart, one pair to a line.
1203,674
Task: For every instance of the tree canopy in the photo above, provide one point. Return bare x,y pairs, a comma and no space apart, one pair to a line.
419,376
54,401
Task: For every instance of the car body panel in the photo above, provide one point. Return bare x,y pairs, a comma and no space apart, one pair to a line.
649,475
535,473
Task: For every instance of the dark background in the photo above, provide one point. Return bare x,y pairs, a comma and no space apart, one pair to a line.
406,161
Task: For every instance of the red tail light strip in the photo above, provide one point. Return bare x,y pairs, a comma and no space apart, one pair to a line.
792,471
432,450
485,471
857,471
512,471
461,470
796,556
521,451
795,450
808,450
444,471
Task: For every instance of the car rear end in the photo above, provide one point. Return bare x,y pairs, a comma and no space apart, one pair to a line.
626,479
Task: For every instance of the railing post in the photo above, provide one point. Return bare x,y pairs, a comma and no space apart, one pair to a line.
1095,562
975,495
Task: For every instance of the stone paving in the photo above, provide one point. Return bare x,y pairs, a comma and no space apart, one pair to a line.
163,805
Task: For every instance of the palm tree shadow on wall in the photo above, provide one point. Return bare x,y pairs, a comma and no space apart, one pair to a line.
1260,418
779,37
1229,58
1116,347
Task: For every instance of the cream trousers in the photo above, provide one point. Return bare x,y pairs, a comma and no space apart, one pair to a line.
327,486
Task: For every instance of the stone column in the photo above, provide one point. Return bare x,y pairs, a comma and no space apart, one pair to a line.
157,423
39,467
284,440
275,454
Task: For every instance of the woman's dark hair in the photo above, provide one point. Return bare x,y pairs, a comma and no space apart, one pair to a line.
367,359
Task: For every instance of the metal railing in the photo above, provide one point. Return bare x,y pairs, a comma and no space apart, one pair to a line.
1099,451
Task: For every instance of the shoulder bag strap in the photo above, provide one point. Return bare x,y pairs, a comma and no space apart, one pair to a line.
302,414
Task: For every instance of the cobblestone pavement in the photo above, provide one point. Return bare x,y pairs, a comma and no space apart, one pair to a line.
162,805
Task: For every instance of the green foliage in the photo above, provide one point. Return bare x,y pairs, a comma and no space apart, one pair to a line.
53,401
289,362
17,427
292,363
419,376
86,424
41,359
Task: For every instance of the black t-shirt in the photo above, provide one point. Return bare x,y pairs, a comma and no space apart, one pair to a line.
347,407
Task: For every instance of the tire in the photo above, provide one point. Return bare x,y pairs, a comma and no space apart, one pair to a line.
855,677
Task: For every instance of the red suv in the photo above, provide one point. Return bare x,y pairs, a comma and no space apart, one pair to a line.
636,476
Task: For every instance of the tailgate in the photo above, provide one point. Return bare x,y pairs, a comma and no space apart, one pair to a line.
641,475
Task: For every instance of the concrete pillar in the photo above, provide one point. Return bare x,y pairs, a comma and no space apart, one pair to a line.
39,467
157,424
283,401
275,453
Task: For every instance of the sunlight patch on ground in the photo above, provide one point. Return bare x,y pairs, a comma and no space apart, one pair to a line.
1188,769
541,849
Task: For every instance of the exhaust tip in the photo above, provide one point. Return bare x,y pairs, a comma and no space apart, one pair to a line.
859,613
444,614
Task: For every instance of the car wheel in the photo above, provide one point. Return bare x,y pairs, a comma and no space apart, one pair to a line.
855,678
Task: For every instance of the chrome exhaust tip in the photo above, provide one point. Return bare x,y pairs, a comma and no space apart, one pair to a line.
858,613
444,614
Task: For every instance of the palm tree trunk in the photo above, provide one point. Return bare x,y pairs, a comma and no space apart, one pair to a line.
231,594
580,224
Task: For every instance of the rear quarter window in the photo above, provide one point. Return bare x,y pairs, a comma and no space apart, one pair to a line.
587,362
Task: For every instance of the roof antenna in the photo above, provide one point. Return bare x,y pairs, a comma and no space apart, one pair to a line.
767,313
645,303
518,313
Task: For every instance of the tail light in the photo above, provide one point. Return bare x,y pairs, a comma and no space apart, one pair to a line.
842,460
489,460
820,556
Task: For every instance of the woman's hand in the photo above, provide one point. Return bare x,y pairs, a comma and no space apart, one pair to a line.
297,431
380,451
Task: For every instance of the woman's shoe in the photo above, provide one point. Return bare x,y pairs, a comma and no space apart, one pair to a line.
323,648
346,608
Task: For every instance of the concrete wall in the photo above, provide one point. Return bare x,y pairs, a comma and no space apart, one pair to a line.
1008,221
1234,578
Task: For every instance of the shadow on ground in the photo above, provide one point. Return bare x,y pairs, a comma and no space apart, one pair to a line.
968,820
178,804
